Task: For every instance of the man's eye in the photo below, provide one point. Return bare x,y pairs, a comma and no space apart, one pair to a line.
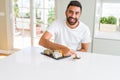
77,13
70,11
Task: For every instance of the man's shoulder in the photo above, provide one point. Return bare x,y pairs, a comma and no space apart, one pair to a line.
83,24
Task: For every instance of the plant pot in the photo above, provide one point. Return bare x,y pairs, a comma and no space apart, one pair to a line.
108,28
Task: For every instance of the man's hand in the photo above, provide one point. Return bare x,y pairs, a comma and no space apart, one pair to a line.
67,52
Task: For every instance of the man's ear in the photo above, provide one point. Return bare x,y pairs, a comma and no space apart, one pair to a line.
66,13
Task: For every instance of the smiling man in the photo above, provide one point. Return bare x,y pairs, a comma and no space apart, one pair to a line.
69,35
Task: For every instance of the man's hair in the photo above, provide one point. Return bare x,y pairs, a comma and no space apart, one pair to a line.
75,3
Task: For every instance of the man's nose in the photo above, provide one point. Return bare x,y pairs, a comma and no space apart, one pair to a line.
73,15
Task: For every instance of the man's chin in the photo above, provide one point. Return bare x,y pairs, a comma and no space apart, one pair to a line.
72,23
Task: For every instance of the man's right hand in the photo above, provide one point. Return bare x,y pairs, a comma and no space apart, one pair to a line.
67,52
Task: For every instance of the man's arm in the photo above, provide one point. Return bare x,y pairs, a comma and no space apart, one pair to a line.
84,47
45,42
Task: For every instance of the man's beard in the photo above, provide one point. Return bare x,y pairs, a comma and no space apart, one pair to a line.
70,22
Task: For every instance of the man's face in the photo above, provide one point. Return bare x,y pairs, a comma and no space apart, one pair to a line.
73,14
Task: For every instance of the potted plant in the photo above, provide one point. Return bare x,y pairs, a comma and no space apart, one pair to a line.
108,24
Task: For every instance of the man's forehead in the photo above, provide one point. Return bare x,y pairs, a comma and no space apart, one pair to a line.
74,8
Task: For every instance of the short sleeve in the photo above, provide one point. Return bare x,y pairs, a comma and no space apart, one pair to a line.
87,36
52,28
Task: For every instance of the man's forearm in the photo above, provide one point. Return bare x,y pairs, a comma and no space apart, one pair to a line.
84,47
51,45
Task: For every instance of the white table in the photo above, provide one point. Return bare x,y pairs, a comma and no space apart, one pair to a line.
29,64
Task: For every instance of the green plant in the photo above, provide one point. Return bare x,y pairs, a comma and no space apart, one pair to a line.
39,22
112,20
103,20
27,15
108,20
16,11
51,16
16,8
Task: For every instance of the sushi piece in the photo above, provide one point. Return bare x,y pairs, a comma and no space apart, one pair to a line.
57,54
48,51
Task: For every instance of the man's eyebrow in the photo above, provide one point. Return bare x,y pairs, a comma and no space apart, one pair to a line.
74,11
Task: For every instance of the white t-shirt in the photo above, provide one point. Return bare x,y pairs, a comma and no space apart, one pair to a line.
71,38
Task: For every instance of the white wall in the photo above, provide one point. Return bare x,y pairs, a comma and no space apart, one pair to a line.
105,46
60,8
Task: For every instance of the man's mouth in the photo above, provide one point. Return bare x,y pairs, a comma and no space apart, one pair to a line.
72,20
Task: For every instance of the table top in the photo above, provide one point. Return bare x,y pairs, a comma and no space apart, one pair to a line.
30,64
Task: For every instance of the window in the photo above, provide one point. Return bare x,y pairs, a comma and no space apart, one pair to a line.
111,9
31,18
45,12
106,9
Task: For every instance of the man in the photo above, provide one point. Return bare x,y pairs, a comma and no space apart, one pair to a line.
69,35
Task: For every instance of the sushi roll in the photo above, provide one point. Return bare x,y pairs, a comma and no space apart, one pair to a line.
57,54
